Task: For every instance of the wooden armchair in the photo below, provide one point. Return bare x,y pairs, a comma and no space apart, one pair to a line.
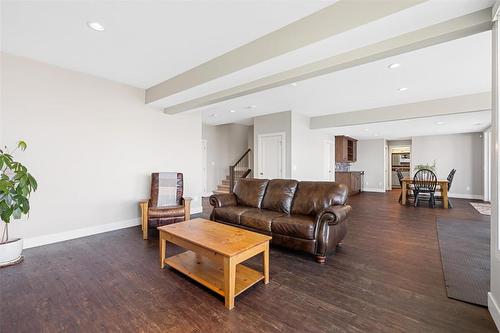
166,204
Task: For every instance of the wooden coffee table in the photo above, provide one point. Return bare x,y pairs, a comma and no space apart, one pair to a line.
214,256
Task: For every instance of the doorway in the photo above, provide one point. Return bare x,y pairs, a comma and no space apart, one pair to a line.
271,155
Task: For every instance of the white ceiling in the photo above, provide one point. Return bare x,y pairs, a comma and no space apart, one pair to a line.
455,68
145,42
401,129
414,18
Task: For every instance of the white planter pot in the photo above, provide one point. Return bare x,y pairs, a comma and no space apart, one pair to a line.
10,252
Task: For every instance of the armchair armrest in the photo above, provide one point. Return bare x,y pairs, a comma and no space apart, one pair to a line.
223,200
334,214
144,205
186,201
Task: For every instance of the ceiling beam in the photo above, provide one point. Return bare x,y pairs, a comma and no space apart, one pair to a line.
439,33
436,107
342,16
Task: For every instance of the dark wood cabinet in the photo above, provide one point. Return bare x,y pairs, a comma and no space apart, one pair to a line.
345,149
351,179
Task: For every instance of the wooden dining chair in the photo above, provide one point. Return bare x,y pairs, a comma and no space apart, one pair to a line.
450,177
425,182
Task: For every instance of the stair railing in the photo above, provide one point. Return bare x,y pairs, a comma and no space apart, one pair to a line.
240,169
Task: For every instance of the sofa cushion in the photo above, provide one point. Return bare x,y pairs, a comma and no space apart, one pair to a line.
259,219
279,195
312,197
301,226
229,214
250,191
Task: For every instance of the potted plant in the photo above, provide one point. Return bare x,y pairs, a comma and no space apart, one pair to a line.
431,167
16,185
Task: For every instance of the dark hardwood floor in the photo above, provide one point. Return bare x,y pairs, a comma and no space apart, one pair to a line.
387,277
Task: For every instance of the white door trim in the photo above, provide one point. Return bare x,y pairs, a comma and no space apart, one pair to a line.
328,155
283,152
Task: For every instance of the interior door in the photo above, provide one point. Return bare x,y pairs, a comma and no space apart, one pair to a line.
271,156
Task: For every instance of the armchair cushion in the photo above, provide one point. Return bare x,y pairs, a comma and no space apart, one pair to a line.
165,212
300,226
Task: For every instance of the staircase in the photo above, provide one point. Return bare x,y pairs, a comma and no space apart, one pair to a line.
238,170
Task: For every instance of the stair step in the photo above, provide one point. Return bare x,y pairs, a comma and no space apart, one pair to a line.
220,192
225,182
223,187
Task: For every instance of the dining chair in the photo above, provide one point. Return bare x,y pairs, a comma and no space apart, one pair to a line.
425,182
450,177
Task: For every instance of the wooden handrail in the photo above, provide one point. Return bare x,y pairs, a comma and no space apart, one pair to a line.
242,157
232,168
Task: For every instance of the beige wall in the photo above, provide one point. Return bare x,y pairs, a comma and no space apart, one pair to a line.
370,159
274,123
463,152
92,146
226,143
308,150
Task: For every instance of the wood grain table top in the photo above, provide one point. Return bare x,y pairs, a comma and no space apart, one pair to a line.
223,239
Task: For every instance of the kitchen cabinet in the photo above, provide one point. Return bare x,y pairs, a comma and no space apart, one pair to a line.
351,179
345,149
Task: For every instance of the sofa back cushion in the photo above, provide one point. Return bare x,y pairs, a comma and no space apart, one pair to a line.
312,197
250,191
279,195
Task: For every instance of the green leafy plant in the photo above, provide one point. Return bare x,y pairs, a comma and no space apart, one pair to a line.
431,167
16,185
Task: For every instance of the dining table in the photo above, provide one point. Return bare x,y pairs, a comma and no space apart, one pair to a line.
442,184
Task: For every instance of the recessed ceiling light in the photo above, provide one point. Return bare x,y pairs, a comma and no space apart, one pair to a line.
95,26
392,66
293,84
366,129
403,89
232,111
477,124
213,115
251,107
440,123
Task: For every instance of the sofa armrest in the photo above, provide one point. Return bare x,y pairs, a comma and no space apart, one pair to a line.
223,200
334,214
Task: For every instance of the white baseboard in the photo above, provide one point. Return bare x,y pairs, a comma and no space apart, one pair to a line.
465,196
494,309
374,189
77,233
83,232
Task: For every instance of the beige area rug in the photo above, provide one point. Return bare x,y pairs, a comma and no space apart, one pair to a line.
483,208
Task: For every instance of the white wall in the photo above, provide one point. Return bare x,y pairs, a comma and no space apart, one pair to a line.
92,146
494,295
463,152
274,123
308,150
370,159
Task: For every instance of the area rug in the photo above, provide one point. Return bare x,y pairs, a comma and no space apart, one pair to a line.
483,208
465,256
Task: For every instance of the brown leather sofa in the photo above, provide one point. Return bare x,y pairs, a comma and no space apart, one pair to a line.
306,216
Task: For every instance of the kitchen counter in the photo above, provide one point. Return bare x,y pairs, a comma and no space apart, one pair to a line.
352,179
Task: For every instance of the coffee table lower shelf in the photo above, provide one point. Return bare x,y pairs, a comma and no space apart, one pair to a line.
211,275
